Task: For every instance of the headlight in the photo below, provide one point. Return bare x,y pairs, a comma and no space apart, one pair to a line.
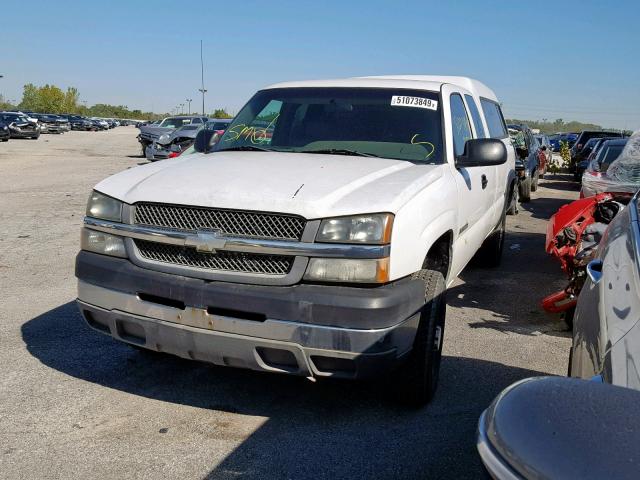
164,138
103,243
348,270
103,207
371,229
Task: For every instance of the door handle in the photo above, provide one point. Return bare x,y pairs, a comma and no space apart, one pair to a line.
484,181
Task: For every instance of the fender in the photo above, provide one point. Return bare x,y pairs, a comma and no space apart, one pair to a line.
442,224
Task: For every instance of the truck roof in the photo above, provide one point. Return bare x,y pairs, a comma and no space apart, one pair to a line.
418,82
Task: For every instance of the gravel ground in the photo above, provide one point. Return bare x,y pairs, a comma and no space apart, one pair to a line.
74,403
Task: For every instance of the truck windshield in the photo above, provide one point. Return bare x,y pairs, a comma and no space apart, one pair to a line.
370,122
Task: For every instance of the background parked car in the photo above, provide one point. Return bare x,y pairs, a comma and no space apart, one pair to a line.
530,159
50,123
5,134
78,123
609,151
554,140
581,158
581,142
20,126
151,133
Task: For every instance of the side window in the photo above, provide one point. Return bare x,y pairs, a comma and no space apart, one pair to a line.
460,124
475,116
493,116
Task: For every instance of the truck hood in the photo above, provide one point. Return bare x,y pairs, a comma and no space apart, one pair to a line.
310,185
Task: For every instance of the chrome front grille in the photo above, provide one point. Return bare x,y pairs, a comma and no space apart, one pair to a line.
219,261
228,222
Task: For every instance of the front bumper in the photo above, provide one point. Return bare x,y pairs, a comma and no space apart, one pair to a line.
308,330
156,152
24,133
53,129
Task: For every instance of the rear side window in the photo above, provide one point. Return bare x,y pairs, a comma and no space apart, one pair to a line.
493,116
475,116
460,124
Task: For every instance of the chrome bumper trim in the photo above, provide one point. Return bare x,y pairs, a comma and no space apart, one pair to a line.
307,335
238,244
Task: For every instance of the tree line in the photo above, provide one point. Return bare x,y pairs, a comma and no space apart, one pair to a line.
558,125
53,99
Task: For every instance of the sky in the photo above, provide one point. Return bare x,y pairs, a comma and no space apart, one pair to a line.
575,60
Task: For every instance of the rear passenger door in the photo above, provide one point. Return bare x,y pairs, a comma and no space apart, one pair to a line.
475,185
497,128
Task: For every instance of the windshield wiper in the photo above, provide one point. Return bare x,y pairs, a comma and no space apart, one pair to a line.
245,148
340,151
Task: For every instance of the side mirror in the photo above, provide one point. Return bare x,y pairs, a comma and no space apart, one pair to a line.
482,152
203,140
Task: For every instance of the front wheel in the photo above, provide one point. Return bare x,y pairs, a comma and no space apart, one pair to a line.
418,376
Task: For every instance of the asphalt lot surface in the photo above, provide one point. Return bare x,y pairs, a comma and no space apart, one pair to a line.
74,403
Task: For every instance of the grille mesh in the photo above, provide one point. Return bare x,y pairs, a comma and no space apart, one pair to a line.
222,261
229,222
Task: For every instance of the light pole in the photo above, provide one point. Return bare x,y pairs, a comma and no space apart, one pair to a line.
182,109
189,100
202,90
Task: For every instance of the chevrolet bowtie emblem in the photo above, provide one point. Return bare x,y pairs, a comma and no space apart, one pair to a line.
207,242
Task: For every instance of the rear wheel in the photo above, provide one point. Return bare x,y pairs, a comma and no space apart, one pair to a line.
417,379
525,190
490,253
512,208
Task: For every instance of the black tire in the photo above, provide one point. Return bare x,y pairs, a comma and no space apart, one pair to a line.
512,208
490,253
535,178
5,139
417,378
568,317
524,190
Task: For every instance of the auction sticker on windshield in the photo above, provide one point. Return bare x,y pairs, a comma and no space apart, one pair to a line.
419,102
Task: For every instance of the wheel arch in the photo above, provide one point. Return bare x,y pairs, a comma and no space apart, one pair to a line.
439,252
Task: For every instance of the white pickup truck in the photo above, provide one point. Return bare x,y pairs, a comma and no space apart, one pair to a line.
316,238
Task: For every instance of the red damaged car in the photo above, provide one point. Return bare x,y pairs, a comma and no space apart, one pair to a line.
573,235
574,232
